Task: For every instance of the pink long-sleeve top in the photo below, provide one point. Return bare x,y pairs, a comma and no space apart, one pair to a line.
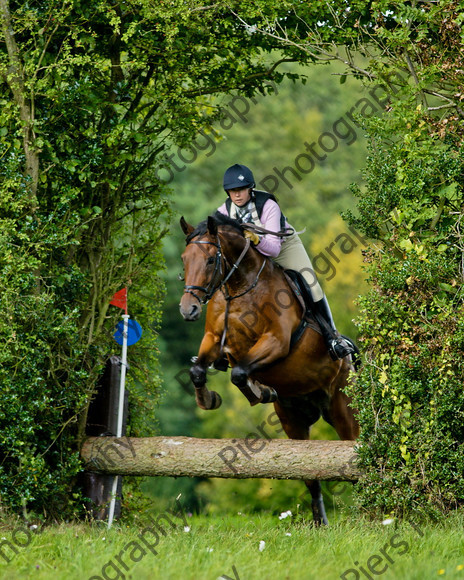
269,245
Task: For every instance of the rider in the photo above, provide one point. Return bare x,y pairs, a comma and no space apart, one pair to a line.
248,205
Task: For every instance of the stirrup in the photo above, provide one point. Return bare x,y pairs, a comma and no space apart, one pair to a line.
340,348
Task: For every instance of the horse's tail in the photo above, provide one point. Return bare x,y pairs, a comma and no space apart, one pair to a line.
356,357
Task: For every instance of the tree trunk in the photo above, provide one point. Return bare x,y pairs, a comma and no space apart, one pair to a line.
228,458
17,83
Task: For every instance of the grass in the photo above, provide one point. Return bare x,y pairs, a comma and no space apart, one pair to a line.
229,546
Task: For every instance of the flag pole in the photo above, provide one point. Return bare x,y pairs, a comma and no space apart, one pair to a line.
122,383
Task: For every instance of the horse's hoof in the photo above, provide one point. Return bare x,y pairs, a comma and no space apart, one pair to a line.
269,395
207,400
216,400
321,524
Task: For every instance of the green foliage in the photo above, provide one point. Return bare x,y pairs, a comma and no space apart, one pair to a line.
409,391
91,95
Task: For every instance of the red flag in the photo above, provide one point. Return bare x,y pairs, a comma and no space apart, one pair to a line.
120,299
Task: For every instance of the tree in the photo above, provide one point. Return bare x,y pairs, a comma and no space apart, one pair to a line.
91,96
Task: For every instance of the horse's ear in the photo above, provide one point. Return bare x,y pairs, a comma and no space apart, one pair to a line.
212,226
186,228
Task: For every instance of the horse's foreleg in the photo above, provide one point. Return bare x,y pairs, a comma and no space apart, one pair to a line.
264,352
255,392
205,398
208,353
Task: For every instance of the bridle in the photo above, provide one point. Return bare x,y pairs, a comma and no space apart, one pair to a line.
211,289
213,286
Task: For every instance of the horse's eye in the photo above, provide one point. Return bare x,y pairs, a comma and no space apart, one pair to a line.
181,277
210,260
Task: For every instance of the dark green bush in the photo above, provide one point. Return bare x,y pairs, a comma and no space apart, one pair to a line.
410,389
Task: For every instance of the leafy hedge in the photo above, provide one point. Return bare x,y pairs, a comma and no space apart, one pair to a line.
410,390
49,360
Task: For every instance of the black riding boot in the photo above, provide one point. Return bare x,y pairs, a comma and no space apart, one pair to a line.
338,347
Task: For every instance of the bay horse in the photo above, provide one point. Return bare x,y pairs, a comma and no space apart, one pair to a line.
251,316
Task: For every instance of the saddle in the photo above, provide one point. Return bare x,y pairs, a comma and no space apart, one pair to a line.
312,317
303,294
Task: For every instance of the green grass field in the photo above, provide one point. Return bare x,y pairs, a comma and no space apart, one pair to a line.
211,547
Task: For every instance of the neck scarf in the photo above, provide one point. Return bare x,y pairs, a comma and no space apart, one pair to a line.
246,214
243,214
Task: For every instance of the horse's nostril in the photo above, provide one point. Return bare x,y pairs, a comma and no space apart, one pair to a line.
194,310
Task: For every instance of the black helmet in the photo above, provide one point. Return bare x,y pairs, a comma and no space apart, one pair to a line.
238,176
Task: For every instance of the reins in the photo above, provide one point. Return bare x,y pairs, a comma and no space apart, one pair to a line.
287,232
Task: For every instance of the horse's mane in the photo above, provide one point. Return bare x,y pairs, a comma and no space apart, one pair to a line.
220,219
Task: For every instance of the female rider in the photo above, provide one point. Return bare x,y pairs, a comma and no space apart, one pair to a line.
248,205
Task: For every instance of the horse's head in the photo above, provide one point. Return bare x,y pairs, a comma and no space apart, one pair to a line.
203,267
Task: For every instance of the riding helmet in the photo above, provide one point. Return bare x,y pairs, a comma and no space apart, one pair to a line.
238,176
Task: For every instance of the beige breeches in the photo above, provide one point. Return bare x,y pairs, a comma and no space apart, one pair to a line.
293,256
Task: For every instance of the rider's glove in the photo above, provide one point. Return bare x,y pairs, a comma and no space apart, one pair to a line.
254,238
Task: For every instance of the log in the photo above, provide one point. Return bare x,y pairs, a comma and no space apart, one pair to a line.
227,458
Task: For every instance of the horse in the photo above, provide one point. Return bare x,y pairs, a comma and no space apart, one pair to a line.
252,314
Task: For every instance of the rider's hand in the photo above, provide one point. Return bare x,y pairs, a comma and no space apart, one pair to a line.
254,238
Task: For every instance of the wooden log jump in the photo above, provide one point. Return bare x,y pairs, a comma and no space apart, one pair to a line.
226,458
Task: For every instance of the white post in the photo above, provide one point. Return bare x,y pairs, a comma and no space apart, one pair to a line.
120,410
